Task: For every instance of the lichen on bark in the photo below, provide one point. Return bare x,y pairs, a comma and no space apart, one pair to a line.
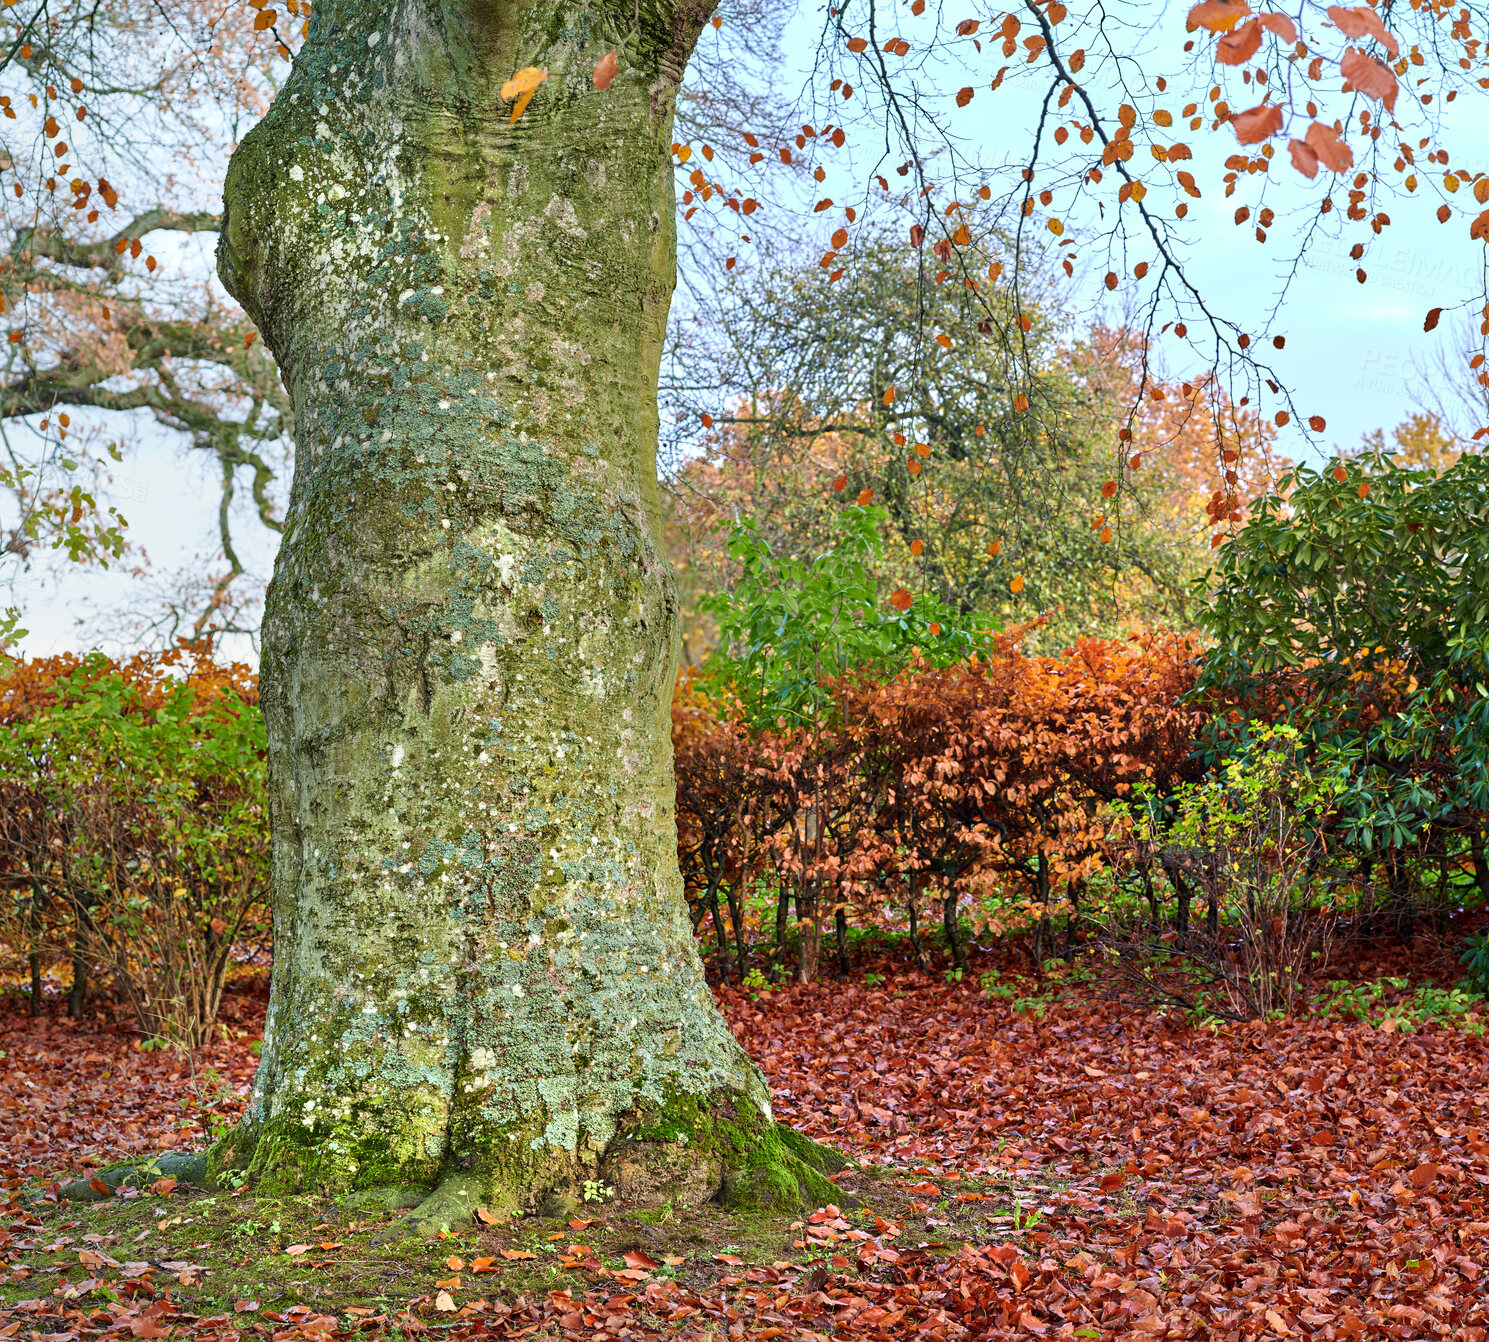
484,982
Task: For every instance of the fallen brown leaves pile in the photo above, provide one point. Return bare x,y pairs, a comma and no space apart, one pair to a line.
1126,1175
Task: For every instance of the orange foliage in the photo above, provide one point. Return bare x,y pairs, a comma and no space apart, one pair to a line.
983,781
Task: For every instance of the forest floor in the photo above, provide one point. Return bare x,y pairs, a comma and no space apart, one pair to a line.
1038,1164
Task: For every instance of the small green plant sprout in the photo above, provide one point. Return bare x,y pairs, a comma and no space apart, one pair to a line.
992,988
596,1191
872,980
953,975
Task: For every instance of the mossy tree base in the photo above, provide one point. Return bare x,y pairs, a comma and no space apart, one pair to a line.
680,1155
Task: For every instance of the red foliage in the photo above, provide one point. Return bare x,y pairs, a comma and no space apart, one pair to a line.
985,779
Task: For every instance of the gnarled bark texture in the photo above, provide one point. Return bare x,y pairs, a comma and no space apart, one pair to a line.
484,982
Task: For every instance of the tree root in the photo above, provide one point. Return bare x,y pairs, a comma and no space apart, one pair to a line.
182,1166
450,1205
784,1172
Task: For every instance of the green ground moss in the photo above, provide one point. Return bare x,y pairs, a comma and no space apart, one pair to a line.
239,1241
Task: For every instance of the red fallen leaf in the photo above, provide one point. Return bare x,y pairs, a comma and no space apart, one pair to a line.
581,1223
729,1258
144,1327
605,69
517,1253
1240,46
1004,1253
1372,77
163,1187
637,1258
1113,1180
449,1283
295,1250
631,1274
1019,1273
1219,16
453,1262
98,1186
245,1306
483,1265
1257,123
1424,1174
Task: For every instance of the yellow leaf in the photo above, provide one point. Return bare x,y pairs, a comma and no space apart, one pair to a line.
522,86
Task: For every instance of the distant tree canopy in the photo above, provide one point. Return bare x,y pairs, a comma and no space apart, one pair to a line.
995,488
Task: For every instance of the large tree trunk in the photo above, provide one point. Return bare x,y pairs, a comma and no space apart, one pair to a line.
484,979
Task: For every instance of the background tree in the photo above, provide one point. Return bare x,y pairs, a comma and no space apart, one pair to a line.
982,482
108,158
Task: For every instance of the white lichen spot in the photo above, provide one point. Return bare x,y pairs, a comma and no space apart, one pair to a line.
297,173
561,211
517,990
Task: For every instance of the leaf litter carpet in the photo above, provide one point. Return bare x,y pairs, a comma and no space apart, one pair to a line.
1068,1169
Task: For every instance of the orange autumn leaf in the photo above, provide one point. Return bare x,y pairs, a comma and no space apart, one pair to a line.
1372,77
1257,123
605,69
1017,585
900,599
1240,46
1362,21
1219,16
